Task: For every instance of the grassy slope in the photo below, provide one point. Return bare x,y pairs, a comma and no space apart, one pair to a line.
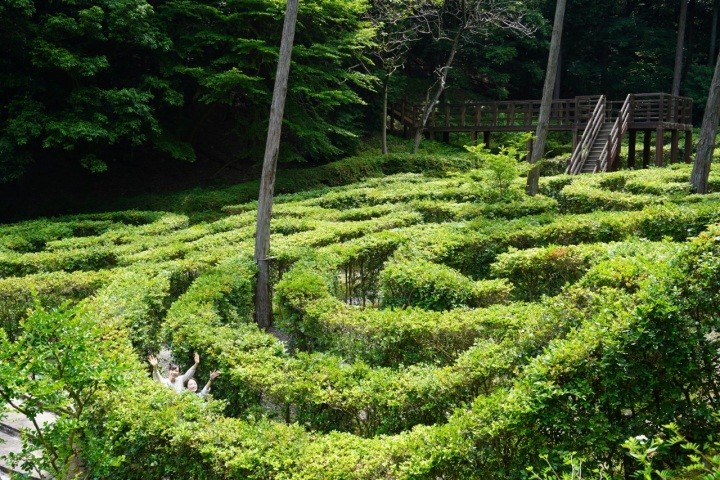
410,368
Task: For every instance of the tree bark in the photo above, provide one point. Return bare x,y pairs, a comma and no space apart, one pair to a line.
558,77
679,47
689,52
385,115
708,130
442,82
263,306
546,103
713,33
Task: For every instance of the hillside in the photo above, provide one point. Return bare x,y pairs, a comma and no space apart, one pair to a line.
435,323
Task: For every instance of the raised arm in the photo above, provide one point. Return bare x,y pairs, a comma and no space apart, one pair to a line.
156,373
191,371
153,363
213,375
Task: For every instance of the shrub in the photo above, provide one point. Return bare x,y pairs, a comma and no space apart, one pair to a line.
432,286
545,270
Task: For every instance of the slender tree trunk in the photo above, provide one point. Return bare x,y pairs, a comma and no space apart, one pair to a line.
679,47
442,83
708,130
689,52
558,77
263,307
544,121
385,115
713,33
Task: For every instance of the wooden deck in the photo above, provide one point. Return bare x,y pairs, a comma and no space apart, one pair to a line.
648,112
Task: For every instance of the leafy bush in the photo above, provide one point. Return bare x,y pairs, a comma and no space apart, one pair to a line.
544,271
432,286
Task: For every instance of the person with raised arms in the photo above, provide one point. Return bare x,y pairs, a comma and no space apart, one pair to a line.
193,386
174,380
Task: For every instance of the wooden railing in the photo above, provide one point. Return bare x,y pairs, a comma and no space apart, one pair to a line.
591,131
646,110
611,150
655,108
503,115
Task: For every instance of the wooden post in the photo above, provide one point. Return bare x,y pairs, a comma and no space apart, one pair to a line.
474,135
575,138
646,148
610,159
529,149
675,139
462,116
659,145
688,146
631,149
486,139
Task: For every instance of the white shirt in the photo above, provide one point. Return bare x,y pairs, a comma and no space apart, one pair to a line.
179,384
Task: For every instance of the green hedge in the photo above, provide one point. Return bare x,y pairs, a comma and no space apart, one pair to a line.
546,270
326,392
16,294
564,398
200,202
472,251
432,286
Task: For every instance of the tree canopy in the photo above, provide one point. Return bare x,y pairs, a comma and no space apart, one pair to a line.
101,82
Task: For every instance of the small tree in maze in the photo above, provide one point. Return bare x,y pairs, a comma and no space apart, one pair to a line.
60,362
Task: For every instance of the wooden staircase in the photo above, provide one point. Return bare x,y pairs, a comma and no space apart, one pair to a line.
598,124
597,150
599,147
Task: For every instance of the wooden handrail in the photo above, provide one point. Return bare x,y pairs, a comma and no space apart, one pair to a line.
638,111
612,146
588,138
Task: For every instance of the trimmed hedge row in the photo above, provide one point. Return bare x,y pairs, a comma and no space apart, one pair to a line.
32,236
431,286
54,288
324,391
472,251
86,253
546,270
343,172
567,398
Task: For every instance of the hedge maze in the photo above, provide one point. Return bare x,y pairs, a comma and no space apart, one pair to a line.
430,327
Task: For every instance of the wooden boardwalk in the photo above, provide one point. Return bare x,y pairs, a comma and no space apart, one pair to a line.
589,118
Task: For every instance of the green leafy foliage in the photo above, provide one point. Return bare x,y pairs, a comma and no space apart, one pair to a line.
455,380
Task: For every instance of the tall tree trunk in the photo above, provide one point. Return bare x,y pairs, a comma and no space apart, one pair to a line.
558,77
442,82
713,32
708,130
386,81
546,103
263,302
689,43
679,47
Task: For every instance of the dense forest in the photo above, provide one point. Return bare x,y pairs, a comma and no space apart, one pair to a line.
133,90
